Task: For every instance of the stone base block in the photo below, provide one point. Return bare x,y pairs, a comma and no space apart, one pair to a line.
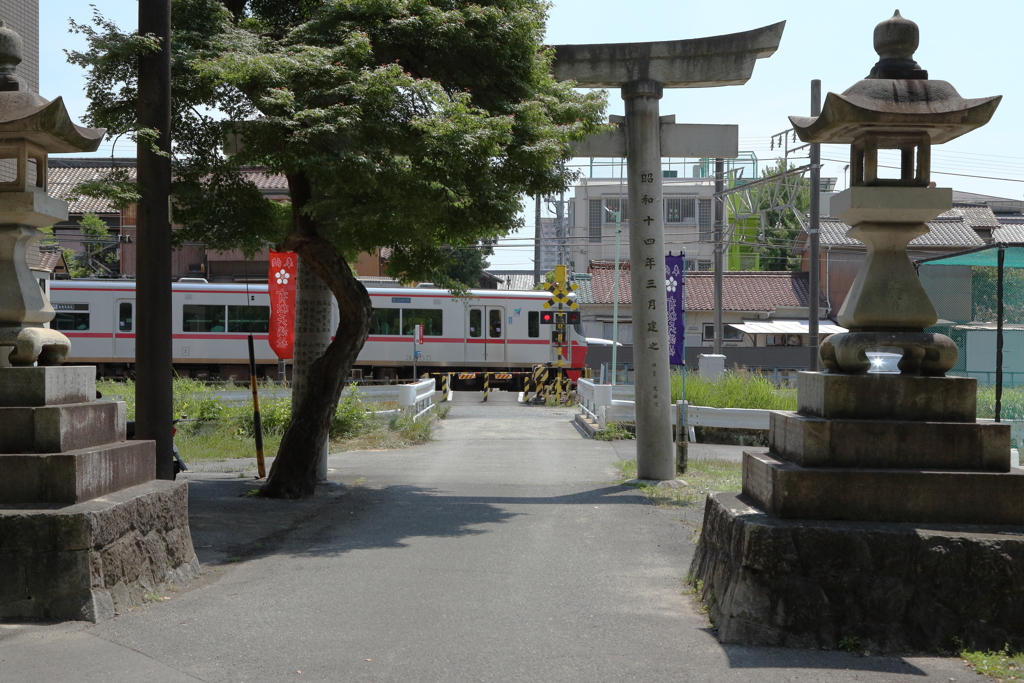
51,429
47,386
92,560
791,492
75,476
893,587
816,442
887,397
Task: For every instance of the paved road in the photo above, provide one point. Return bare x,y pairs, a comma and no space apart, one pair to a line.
502,551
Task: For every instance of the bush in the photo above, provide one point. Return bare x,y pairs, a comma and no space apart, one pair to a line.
350,417
733,389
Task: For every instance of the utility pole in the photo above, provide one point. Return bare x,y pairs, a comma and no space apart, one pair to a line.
537,235
814,274
563,258
153,366
719,248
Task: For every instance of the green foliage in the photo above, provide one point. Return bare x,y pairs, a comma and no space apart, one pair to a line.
99,249
781,226
417,125
849,644
350,417
615,432
733,389
1004,665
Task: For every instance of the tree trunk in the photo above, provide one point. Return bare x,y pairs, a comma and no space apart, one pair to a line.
293,474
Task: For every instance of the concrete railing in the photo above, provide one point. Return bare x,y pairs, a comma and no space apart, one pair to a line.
604,403
414,399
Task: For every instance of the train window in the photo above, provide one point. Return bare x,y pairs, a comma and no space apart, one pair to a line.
124,317
248,318
384,321
533,324
71,317
431,320
494,323
476,322
202,318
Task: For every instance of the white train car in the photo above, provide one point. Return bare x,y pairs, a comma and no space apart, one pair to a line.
489,331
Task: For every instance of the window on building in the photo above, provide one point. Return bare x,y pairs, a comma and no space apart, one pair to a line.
680,210
70,317
431,320
728,333
704,220
615,205
248,319
595,219
704,265
202,318
385,321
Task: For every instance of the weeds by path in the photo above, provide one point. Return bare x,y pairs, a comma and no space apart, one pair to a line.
702,477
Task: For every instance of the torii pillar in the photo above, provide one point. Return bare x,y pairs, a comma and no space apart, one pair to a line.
642,71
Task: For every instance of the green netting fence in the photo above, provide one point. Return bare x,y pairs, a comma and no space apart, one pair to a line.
979,297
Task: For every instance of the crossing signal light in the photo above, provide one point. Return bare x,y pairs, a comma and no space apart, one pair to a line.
572,318
547,317
560,317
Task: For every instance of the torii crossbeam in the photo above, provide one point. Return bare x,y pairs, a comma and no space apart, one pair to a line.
642,71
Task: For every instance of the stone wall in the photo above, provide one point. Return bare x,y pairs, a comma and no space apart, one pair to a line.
98,558
893,587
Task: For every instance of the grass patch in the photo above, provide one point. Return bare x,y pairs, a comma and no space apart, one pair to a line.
1003,665
215,431
733,389
702,476
616,431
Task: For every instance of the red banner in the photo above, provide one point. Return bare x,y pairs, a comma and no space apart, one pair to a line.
281,278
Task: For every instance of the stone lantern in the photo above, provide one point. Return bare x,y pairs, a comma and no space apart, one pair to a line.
895,107
31,128
85,530
882,501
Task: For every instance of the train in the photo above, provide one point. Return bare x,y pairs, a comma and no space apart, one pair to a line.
500,333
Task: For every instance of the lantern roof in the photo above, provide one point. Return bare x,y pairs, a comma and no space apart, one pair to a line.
896,97
25,115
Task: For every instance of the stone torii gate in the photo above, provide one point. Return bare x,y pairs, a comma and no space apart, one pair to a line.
642,71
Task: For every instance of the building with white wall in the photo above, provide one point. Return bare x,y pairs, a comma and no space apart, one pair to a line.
689,221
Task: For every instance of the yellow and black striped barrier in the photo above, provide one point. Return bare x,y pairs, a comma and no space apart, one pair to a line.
487,385
446,380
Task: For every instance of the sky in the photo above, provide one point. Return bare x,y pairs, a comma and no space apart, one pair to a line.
962,43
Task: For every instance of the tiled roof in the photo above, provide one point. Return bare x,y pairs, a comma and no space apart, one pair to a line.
954,228
584,288
1009,232
66,174
741,291
515,280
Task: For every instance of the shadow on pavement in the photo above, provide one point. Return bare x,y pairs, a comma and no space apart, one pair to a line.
229,524
744,657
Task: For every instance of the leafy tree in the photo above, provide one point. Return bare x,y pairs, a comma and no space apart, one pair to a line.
98,253
409,124
466,265
781,226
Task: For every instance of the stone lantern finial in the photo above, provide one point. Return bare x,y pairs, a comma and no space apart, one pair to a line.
10,58
896,40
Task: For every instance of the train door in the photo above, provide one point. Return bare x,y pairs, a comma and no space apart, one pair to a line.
485,334
124,328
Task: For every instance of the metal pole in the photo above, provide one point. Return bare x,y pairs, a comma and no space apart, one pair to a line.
719,219
560,230
153,366
615,294
814,272
257,421
999,333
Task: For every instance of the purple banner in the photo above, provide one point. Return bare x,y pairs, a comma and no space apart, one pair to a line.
675,289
